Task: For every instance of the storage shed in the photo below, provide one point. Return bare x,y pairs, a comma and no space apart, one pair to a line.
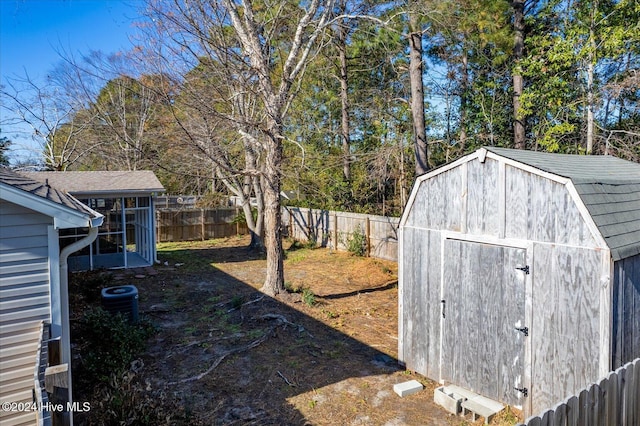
519,274
125,198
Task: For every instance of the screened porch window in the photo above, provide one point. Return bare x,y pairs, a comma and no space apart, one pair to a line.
125,240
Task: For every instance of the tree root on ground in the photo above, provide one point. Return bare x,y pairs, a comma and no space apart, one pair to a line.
281,320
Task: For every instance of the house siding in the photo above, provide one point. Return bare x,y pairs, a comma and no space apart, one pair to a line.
24,302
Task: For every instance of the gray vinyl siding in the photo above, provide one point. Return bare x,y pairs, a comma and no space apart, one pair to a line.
24,301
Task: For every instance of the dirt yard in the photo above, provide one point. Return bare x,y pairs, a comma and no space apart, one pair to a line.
324,354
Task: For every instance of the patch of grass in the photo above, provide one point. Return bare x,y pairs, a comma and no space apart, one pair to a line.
237,301
255,333
308,297
507,417
331,315
292,288
234,328
297,256
190,255
190,330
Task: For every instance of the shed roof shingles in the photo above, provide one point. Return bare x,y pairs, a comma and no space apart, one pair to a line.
608,186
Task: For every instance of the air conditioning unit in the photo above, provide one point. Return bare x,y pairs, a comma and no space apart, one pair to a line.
121,299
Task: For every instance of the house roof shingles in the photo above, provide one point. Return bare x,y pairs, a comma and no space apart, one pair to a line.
43,190
608,186
101,182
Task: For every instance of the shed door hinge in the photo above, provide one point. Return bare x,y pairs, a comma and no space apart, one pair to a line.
523,391
524,330
524,269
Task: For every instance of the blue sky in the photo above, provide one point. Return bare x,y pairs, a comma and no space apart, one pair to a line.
33,32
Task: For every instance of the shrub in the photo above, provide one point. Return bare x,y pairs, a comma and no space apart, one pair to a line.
110,343
308,297
357,242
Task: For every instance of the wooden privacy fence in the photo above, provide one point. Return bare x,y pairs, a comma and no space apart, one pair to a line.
613,401
335,229
327,228
198,224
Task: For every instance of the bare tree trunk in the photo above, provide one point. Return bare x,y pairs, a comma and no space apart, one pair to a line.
590,71
274,281
257,236
519,138
344,98
463,101
403,177
417,96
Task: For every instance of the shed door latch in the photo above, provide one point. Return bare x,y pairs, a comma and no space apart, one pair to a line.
444,305
523,391
524,330
524,269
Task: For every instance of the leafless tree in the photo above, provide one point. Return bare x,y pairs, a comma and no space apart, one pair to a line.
47,116
255,52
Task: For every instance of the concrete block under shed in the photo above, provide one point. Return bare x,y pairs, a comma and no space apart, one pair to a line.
448,399
407,388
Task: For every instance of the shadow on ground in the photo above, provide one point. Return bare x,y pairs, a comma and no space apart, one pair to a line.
227,354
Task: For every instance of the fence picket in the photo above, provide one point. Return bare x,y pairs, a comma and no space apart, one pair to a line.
636,390
613,401
560,415
585,409
573,407
534,421
597,395
631,394
547,418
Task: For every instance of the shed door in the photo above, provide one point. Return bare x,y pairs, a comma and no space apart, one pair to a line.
483,306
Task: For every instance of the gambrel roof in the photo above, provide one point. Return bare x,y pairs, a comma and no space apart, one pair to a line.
608,186
86,183
44,198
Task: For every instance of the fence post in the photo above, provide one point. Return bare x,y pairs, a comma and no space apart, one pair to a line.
237,221
158,225
368,235
335,231
291,226
309,225
202,236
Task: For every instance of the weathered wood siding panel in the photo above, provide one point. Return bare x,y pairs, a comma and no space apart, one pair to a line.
438,202
540,209
24,302
485,298
626,311
482,197
421,302
565,332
